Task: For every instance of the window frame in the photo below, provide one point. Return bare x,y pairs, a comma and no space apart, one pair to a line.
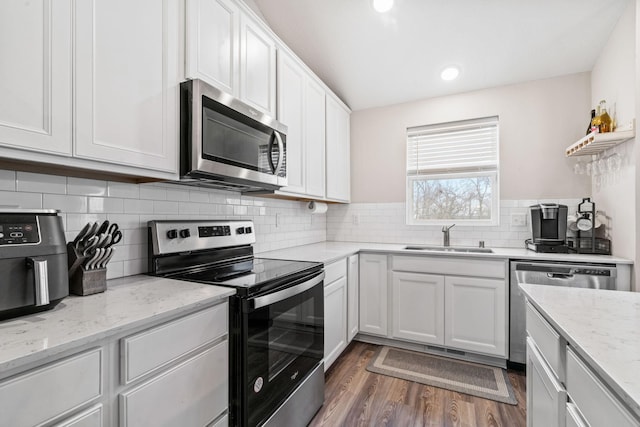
463,172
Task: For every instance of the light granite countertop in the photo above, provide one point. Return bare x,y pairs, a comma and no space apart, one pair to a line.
328,252
127,303
604,329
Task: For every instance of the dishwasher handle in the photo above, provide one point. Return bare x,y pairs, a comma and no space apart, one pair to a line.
559,276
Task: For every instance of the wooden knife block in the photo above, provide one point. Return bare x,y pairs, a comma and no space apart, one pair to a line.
82,281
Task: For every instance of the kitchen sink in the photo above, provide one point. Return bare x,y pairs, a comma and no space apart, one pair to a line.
451,249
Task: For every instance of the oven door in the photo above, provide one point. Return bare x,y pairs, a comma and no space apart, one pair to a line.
284,343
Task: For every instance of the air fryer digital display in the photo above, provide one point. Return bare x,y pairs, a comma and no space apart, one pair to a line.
18,229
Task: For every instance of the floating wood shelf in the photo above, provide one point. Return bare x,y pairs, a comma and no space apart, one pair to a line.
596,143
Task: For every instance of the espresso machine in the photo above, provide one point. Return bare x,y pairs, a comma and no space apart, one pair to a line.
548,228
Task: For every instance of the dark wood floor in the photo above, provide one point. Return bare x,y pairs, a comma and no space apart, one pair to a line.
357,397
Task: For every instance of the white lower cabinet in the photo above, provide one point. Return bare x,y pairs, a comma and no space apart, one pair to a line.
595,402
52,391
581,399
475,316
193,393
173,373
373,294
456,303
546,397
353,303
335,320
418,307
176,373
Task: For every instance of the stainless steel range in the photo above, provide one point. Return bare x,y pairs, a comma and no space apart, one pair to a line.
276,318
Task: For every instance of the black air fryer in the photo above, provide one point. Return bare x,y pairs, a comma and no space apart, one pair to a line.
548,228
33,261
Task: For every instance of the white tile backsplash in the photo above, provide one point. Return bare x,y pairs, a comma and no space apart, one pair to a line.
131,206
385,223
7,180
40,183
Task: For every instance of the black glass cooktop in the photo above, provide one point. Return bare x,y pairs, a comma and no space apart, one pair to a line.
246,274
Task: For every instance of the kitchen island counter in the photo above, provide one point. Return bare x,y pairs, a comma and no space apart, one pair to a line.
602,327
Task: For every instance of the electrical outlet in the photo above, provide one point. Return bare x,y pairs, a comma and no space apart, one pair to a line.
518,220
277,219
355,219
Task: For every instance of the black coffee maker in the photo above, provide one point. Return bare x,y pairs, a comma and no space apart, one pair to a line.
548,228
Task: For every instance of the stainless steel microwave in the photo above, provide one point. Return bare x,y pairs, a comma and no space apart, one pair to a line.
225,143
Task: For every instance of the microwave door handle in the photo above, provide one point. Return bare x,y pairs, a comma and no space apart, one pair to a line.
275,297
280,152
40,279
275,169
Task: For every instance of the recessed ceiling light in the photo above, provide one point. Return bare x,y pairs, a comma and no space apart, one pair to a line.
450,73
382,6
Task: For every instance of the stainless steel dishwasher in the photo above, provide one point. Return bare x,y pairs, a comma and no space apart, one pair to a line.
593,276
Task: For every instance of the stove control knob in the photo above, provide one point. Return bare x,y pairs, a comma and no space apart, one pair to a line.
247,230
172,234
185,233
240,230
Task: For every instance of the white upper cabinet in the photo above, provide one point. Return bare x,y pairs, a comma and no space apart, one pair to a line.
291,100
213,43
301,108
338,172
257,66
127,74
35,75
314,131
228,49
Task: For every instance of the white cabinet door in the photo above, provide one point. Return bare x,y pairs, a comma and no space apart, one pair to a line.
338,172
335,320
373,294
352,296
418,307
127,73
314,135
291,86
193,393
475,315
257,66
35,75
546,398
213,43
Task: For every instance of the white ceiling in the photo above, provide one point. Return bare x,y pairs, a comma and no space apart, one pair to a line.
371,59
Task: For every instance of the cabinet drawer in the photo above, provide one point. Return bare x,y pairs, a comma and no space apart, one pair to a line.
457,266
551,345
334,271
598,406
91,417
53,390
194,393
149,350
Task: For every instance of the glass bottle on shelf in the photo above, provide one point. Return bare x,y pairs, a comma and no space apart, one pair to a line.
596,121
605,119
593,115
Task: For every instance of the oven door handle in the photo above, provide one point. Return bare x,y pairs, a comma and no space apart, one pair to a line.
275,297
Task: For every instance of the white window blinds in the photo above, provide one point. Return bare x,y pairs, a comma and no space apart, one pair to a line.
464,146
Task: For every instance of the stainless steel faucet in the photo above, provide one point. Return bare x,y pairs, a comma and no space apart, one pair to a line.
445,230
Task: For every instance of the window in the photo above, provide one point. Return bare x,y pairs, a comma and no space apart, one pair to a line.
452,173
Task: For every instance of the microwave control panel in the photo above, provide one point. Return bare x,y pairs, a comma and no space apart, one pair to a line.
18,229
